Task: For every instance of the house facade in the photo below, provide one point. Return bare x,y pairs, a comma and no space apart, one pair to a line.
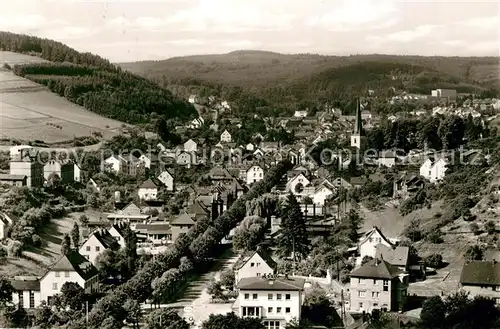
190,146
166,178
297,184
225,137
99,241
434,171
71,267
254,174
13,180
377,285
26,292
367,245
275,301
26,165
257,265
181,224
65,170
148,190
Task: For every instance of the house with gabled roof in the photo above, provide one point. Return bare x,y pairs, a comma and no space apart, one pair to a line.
131,214
254,174
482,278
367,245
117,231
256,265
181,224
166,177
297,184
71,267
26,291
398,256
97,242
225,137
197,210
218,173
148,190
156,233
377,285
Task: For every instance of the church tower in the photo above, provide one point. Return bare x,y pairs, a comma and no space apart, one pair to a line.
358,135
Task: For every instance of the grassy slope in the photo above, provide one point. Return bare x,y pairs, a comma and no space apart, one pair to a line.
263,68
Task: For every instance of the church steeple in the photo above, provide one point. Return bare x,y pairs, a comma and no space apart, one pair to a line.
358,125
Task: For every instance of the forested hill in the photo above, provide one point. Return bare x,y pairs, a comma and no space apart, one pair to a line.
273,80
94,83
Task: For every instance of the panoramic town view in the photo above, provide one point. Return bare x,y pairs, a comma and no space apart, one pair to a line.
225,164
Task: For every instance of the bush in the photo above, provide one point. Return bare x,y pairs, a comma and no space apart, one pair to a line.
36,241
490,227
474,228
435,236
434,261
14,248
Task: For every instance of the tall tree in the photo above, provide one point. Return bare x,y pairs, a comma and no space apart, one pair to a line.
165,318
6,290
65,245
249,233
294,237
130,249
433,313
75,235
72,295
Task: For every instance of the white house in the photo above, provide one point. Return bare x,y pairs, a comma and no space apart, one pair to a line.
6,220
190,146
300,114
321,193
255,174
148,190
250,147
434,171
296,184
99,241
276,301
117,231
71,267
258,264
225,137
115,163
197,123
386,159
148,160
77,171
367,245
167,179
26,292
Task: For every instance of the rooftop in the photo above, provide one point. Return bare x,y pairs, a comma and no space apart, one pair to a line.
481,273
74,262
376,269
281,284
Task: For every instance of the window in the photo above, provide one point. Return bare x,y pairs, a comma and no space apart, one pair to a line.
497,288
271,324
66,274
54,286
375,294
247,296
386,285
58,274
32,299
251,311
278,297
361,281
252,264
374,281
87,248
258,264
21,298
254,296
269,310
287,310
361,293
258,274
97,248
270,297
278,310
375,305
287,296
360,305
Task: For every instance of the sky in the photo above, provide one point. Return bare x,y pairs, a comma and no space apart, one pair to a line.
134,30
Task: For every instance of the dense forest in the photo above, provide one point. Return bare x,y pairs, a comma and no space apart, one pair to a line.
95,83
277,84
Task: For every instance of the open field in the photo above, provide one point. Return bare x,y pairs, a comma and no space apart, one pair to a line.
36,261
29,111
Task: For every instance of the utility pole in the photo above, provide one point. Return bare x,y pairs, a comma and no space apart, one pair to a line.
293,252
87,311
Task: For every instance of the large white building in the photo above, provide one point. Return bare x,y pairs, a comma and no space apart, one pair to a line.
167,180
71,267
254,174
276,301
434,170
257,265
25,164
64,169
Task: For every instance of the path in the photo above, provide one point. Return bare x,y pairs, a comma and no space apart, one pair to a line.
195,305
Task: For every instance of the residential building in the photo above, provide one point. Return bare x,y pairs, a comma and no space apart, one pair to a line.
225,137
149,160
186,159
300,114
297,184
13,180
275,301
406,185
125,164
434,170
27,164
358,134
97,242
256,265
117,231
156,233
196,123
321,193
181,224
71,267
367,245
482,278
77,171
4,225
449,94
26,291
131,214
64,169
377,285
148,190
386,159
167,180
396,256
254,174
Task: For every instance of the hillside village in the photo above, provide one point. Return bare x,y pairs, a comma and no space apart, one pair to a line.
299,202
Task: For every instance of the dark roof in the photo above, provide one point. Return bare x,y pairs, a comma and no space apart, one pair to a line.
73,261
198,208
148,184
281,284
105,238
395,256
120,228
10,177
157,228
25,285
265,257
481,273
376,269
182,219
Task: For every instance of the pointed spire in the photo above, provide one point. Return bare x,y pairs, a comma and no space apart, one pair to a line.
358,125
